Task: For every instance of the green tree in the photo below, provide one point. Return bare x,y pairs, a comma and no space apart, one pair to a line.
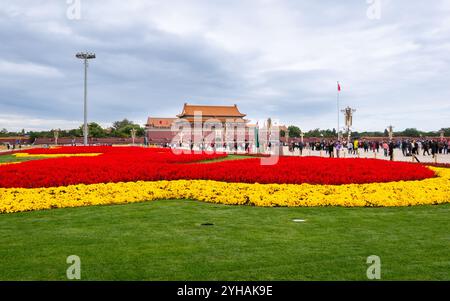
446,131
95,130
294,131
75,132
313,133
123,128
412,132
121,124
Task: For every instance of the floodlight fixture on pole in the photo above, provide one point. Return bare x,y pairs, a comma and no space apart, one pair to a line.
85,56
337,104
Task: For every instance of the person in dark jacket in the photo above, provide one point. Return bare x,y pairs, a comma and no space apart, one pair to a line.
434,148
426,147
331,149
391,151
404,147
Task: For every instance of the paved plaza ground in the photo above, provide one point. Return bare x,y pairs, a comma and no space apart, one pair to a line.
398,156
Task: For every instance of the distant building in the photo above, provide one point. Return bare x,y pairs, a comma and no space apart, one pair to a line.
158,129
160,122
221,113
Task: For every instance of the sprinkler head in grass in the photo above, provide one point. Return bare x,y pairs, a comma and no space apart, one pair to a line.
298,220
207,224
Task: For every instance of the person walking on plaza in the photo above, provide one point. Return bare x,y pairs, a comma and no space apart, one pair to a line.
365,146
330,149
404,147
426,147
434,148
415,147
350,147
355,147
338,148
440,147
391,151
385,148
247,147
408,148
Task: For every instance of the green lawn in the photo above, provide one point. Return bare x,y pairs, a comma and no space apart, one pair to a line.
228,157
164,240
12,158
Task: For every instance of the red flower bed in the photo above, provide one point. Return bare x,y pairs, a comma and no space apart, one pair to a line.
312,170
123,164
161,155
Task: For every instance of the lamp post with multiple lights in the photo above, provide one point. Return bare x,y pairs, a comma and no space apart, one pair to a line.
85,56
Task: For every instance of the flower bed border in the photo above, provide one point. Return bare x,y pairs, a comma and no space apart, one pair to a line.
431,191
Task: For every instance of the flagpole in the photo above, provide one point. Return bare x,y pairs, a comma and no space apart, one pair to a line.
337,110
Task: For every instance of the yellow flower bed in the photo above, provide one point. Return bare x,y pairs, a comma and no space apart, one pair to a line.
429,191
27,155
8,163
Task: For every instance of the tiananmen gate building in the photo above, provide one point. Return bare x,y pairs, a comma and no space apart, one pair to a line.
158,129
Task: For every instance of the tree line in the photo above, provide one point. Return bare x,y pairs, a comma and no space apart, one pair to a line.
120,129
295,132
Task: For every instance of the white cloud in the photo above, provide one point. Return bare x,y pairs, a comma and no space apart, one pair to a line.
27,69
18,122
152,56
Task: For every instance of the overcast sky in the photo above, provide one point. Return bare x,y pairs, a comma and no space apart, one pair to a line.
278,59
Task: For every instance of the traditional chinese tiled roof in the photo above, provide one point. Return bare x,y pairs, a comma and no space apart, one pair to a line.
160,122
211,111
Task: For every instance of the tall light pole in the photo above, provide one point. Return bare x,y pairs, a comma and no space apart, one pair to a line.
85,56
337,104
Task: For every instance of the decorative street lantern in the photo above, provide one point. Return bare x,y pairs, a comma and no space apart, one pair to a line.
390,132
348,112
133,134
56,135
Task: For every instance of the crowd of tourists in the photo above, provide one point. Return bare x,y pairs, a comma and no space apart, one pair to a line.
13,146
425,147
409,147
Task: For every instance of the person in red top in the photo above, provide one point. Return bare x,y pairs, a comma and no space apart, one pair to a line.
385,148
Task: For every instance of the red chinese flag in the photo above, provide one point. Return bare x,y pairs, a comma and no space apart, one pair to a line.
339,87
